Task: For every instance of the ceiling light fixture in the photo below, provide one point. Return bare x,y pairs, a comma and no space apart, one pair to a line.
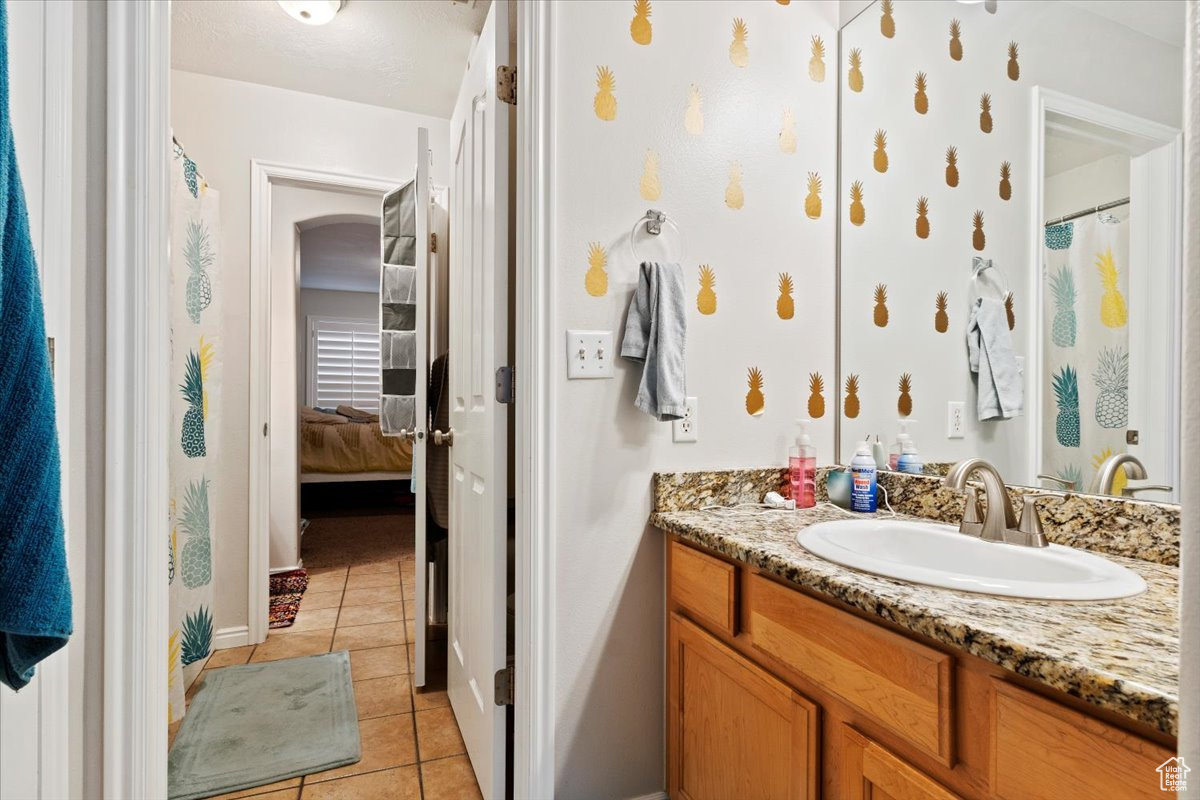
311,12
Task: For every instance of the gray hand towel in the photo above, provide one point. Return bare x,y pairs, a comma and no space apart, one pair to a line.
655,335
1001,387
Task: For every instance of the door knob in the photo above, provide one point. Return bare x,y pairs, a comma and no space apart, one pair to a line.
408,435
446,438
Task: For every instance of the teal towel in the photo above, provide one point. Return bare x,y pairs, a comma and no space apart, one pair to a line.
35,595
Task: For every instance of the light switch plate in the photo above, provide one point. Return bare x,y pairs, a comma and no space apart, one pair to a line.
589,355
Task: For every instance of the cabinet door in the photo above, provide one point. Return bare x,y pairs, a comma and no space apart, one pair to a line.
871,772
734,730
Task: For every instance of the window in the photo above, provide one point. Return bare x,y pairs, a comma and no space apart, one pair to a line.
343,363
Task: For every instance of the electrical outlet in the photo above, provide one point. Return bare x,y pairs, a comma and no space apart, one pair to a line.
956,419
589,355
684,430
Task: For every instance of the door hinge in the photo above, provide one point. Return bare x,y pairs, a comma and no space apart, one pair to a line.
504,686
433,242
264,429
504,385
506,84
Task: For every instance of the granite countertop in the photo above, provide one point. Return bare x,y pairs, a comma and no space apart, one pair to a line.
1120,655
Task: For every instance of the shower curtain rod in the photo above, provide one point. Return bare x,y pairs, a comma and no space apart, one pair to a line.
1102,207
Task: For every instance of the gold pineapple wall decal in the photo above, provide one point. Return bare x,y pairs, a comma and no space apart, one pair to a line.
816,62
706,298
941,319
1009,311
978,240
812,201
596,279
739,54
985,112
1014,69
922,217
858,212
952,166
1005,183
693,118
735,198
816,396
755,402
785,306
787,134
640,28
956,50
881,156
851,406
855,77
881,310
904,403
650,187
605,102
921,99
887,23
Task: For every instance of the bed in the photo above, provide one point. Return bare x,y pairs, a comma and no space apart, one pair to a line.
334,447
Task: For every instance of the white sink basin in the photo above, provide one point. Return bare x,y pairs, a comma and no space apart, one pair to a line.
938,555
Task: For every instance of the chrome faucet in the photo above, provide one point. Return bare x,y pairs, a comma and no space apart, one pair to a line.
999,522
1134,468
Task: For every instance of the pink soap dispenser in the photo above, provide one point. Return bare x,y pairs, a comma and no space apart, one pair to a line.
802,468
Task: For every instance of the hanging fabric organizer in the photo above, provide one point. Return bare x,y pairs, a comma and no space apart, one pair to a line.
195,390
398,312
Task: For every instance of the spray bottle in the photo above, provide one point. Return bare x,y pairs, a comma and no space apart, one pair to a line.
862,480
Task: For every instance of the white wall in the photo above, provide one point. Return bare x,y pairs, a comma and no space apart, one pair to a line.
1058,49
1087,185
326,303
609,667
224,124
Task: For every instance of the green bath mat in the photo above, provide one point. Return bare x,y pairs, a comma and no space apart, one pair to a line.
259,723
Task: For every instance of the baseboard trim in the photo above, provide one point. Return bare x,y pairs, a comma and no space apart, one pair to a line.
652,796
236,636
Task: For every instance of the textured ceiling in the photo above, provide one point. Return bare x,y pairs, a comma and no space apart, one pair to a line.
403,54
343,256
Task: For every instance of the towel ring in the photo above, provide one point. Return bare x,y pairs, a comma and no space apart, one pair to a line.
980,266
653,220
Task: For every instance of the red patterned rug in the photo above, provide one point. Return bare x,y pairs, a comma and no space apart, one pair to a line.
286,590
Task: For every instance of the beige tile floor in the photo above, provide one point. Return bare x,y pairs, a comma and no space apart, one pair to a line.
411,745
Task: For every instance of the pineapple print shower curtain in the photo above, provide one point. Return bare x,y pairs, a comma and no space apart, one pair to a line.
1086,346
195,406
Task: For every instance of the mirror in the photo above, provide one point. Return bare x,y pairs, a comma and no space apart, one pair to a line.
1010,238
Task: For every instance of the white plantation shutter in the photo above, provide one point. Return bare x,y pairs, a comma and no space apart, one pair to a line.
343,363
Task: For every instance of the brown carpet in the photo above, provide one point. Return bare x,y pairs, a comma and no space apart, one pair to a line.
344,540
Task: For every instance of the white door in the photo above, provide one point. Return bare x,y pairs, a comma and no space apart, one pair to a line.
479,139
420,441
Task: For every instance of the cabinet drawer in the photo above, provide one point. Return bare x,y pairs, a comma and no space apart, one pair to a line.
735,730
1041,749
902,685
872,772
704,587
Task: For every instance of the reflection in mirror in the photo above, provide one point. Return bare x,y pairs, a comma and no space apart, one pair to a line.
1010,239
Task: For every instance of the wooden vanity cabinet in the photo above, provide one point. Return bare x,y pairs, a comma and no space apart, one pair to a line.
740,731
776,693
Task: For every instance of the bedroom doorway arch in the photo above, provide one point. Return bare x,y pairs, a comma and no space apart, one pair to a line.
274,285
